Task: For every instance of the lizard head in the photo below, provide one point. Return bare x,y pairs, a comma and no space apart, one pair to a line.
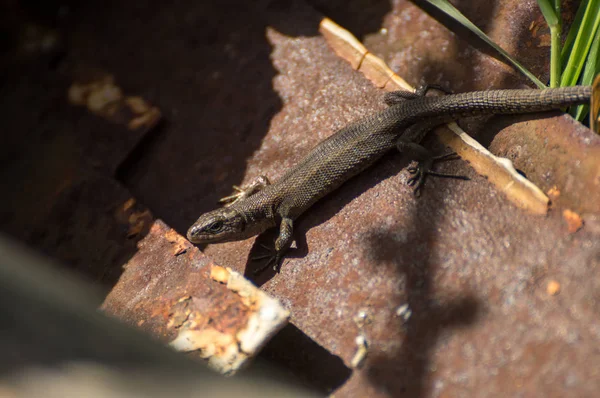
221,225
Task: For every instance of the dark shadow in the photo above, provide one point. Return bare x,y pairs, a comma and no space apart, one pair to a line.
263,246
209,71
151,140
405,372
305,359
486,133
58,162
361,17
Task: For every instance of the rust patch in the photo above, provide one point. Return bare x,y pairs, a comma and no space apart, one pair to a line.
167,290
227,352
553,193
573,220
553,288
180,244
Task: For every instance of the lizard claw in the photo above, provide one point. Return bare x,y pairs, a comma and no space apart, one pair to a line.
446,156
231,199
418,176
241,193
423,169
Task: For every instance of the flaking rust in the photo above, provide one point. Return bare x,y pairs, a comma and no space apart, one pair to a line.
229,350
172,291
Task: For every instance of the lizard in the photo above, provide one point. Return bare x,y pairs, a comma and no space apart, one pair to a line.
406,121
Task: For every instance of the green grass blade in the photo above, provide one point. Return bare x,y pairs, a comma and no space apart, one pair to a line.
548,10
555,64
452,12
568,46
557,7
582,44
592,68
551,11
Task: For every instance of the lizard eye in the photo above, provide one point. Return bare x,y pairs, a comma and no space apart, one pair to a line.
216,226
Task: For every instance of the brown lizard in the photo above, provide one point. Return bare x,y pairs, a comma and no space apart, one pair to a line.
409,117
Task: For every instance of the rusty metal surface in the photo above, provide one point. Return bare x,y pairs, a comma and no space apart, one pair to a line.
58,344
557,153
172,291
501,302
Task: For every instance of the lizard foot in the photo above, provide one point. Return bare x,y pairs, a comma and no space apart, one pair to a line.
397,97
424,169
242,193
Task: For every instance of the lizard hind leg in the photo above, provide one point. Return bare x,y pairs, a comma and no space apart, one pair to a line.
396,97
241,193
408,144
424,169
422,90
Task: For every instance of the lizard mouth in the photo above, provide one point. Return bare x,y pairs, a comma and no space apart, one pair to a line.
198,234
194,235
